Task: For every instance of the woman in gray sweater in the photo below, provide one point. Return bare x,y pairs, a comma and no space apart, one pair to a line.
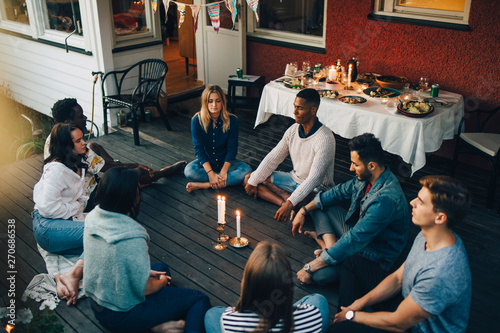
126,293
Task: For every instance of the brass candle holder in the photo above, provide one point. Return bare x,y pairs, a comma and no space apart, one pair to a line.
238,242
221,239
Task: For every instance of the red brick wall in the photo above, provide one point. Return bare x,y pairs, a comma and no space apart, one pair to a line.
465,62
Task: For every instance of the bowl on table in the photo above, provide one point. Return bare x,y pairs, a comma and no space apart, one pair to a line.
390,81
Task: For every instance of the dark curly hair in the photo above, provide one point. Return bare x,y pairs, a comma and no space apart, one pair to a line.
64,110
311,96
61,147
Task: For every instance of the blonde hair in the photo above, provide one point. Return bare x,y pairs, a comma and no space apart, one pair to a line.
204,114
267,273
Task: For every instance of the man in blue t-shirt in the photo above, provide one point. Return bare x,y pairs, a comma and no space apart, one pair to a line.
435,280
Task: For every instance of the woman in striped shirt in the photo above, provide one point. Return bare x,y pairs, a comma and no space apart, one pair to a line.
266,301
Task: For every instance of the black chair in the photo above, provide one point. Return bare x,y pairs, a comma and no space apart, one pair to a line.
480,143
147,76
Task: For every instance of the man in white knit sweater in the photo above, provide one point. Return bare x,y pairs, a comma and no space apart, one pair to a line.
311,146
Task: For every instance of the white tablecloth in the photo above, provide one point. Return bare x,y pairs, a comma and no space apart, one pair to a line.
407,137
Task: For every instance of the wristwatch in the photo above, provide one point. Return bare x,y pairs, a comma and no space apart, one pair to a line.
349,315
307,268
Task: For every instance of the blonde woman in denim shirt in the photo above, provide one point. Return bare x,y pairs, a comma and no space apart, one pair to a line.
215,138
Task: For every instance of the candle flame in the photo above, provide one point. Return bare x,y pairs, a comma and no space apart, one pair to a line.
9,328
223,198
218,197
238,212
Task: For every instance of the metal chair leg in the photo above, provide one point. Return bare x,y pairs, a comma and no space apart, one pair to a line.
163,116
135,126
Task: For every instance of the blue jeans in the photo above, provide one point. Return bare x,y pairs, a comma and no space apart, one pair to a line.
213,316
167,304
194,172
284,181
57,235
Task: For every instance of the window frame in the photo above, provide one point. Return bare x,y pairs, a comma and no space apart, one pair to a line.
388,10
153,35
286,38
36,28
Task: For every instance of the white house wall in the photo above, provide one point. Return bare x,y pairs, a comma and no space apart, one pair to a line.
39,74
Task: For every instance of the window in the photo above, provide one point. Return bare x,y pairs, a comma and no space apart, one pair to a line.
442,13
298,23
54,21
16,11
134,22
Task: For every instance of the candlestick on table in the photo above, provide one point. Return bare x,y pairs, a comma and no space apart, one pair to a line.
238,241
349,73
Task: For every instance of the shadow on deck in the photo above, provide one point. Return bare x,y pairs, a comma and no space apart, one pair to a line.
182,225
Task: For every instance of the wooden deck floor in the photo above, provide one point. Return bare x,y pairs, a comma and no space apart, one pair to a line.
182,225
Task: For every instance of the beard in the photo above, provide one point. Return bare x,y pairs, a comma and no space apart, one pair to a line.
365,175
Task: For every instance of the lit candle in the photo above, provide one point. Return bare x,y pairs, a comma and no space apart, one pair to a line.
219,209
238,224
384,100
332,73
223,219
349,73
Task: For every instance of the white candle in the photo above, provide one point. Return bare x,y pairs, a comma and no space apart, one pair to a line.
349,73
223,219
219,209
332,73
238,224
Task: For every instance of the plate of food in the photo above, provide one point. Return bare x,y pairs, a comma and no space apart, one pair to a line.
328,93
294,84
378,92
352,100
415,109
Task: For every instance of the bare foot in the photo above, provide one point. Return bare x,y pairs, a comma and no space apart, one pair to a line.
170,327
196,186
70,283
61,289
314,235
317,252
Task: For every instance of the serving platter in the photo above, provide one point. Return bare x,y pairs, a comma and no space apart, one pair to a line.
386,92
352,100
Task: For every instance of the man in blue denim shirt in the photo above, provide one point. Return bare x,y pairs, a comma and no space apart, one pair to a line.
373,232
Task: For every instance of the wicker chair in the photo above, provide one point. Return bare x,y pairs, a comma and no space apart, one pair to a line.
147,76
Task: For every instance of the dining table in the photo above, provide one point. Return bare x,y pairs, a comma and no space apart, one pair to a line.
408,137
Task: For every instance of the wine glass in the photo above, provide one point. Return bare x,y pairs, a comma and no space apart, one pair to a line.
423,83
305,66
317,75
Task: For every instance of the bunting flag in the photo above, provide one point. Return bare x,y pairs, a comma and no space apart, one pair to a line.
182,12
231,6
254,4
214,13
195,10
154,4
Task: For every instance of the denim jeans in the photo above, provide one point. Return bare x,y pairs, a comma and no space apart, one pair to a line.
330,221
57,235
194,172
167,304
213,316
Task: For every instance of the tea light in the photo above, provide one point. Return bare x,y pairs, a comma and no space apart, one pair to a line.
384,100
360,89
